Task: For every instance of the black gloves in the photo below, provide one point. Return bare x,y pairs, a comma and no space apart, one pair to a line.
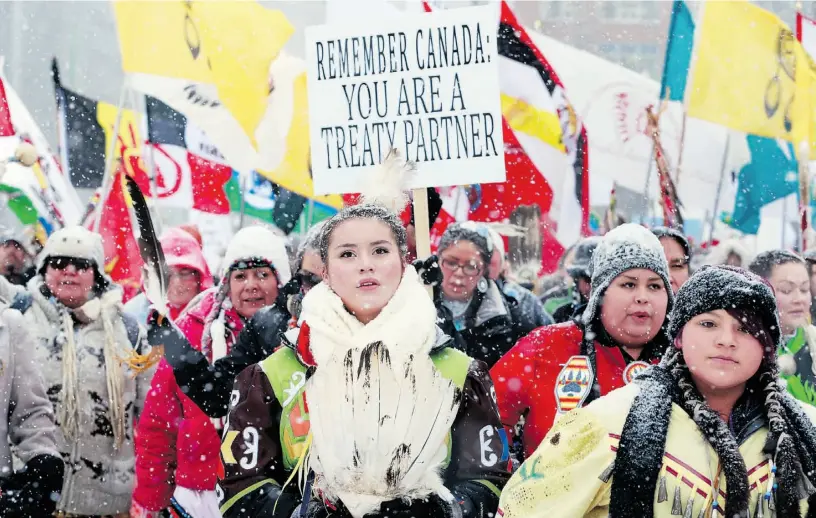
429,270
317,509
34,490
432,506
162,332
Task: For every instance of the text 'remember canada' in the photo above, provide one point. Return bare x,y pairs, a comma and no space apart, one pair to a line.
443,137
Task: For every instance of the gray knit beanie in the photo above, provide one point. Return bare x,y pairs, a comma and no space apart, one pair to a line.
725,287
476,233
626,247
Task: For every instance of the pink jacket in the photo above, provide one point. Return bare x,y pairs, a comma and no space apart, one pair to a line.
176,443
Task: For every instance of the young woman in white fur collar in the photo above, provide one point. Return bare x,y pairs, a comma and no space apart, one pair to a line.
368,411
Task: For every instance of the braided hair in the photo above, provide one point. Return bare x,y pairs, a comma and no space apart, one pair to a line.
791,441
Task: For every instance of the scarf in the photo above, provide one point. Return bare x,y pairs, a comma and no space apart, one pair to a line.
379,410
106,307
791,443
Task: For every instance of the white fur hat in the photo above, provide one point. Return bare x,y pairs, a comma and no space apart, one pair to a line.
77,242
258,243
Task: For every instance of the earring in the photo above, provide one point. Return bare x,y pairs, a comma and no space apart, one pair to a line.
482,285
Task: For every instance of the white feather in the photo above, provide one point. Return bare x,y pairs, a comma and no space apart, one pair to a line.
389,183
380,412
508,229
154,290
218,332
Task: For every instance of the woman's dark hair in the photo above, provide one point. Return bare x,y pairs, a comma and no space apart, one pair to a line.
363,211
764,263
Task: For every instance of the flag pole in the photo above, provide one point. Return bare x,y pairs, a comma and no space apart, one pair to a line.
138,99
422,227
804,192
244,187
309,213
723,167
803,159
646,187
61,130
689,86
107,179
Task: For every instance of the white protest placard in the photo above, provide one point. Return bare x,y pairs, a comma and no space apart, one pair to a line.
425,84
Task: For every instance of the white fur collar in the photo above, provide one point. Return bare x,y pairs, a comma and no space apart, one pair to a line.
407,324
110,303
379,409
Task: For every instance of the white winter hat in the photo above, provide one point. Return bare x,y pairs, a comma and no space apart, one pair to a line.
76,242
258,243
498,242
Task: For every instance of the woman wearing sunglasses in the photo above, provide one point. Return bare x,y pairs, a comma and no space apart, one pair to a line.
308,268
177,444
472,305
83,340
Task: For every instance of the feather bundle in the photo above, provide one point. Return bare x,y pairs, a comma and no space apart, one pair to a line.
154,271
388,183
379,409
508,229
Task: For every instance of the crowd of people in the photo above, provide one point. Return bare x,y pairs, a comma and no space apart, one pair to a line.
318,378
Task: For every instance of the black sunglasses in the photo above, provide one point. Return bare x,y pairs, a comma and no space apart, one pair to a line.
308,279
62,262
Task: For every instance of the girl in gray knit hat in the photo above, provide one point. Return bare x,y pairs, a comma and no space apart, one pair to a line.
709,432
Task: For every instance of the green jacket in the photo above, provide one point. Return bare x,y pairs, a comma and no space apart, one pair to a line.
801,346
268,425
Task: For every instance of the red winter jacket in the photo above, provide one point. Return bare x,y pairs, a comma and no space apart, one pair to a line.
176,443
525,377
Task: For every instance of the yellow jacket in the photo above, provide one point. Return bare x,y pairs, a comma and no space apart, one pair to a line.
564,478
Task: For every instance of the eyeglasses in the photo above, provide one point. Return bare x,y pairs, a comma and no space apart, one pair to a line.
309,280
469,269
62,262
183,274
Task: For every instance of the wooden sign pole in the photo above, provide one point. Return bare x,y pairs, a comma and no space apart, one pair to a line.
422,227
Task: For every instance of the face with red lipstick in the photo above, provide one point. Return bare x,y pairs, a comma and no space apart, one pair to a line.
364,266
719,350
634,307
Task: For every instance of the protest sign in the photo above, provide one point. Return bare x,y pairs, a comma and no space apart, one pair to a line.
425,84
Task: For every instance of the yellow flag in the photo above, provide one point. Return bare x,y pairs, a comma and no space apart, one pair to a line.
751,73
293,173
226,43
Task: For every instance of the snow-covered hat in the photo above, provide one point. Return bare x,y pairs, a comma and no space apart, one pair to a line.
722,287
182,250
76,242
310,242
626,247
582,259
22,235
476,233
675,234
257,244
